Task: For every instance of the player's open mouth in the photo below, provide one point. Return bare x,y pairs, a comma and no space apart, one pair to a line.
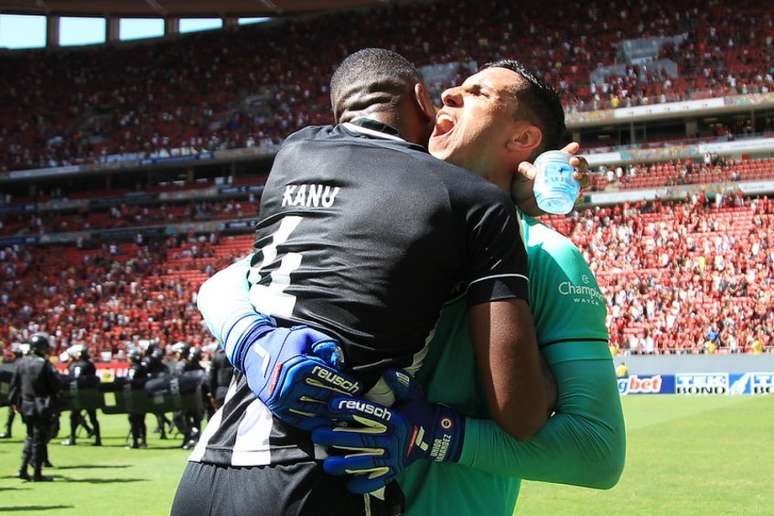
443,125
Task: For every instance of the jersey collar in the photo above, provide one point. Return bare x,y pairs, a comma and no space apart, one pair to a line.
370,127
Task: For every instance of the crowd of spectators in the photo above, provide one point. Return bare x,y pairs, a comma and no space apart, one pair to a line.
678,277
681,172
127,215
109,297
253,86
690,277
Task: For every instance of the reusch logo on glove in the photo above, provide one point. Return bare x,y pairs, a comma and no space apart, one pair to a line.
366,408
334,379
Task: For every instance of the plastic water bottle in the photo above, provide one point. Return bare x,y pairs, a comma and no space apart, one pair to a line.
555,188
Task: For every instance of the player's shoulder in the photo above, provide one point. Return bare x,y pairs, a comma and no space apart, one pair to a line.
310,132
470,191
545,243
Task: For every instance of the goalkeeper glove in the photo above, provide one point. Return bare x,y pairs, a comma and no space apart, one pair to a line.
381,442
293,371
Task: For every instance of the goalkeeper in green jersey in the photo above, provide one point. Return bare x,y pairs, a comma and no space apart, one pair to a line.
497,120
582,444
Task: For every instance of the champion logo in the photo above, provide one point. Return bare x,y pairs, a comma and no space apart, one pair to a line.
446,423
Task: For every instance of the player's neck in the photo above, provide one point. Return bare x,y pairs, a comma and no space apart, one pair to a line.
501,174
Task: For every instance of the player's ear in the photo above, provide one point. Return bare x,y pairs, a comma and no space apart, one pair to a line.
422,98
525,140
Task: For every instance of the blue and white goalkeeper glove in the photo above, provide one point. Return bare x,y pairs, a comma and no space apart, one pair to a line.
293,371
380,442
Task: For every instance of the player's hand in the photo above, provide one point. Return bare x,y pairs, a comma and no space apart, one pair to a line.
522,187
380,442
295,372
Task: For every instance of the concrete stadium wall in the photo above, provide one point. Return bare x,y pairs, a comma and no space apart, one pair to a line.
674,364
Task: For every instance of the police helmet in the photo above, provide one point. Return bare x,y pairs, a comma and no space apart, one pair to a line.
195,354
79,352
134,355
39,344
182,349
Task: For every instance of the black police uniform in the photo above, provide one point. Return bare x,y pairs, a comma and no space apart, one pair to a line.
83,368
138,372
155,368
221,372
33,389
188,422
11,366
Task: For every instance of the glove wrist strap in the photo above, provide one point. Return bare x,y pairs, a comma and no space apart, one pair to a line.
449,436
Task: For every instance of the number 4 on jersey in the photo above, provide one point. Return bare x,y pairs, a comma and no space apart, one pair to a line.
271,298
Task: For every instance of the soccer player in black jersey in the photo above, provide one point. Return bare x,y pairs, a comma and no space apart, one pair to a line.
354,219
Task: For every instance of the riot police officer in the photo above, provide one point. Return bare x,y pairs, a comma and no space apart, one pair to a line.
156,368
11,357
220,375
180,350
188,422
138,372
33,391
81,366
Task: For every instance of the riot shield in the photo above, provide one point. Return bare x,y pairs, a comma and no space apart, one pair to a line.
6,374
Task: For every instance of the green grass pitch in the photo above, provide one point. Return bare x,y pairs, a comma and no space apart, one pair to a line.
686,455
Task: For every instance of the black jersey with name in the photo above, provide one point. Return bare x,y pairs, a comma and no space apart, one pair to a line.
364,236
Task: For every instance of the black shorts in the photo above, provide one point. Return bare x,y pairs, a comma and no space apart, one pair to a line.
278,490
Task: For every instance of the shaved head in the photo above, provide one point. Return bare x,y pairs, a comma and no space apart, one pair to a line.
369,81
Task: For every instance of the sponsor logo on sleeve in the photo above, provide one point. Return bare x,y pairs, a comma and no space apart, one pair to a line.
587,293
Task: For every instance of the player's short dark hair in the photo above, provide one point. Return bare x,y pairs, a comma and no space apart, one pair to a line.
371,79
538,102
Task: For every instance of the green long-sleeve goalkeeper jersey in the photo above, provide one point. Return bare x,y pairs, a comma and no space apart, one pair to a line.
582,444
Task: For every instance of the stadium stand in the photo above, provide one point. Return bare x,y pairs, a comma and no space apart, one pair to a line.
672,173
685,277
125,216
249,87
114,295
690,277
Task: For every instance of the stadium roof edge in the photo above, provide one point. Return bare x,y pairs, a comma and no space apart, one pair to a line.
181,8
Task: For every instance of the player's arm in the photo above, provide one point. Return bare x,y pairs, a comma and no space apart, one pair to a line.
501,324
224,302
584,443
508,359
293,371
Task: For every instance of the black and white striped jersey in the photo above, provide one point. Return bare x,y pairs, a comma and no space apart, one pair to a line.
364,236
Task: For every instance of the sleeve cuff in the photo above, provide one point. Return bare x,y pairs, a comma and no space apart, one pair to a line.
497,287
469,442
